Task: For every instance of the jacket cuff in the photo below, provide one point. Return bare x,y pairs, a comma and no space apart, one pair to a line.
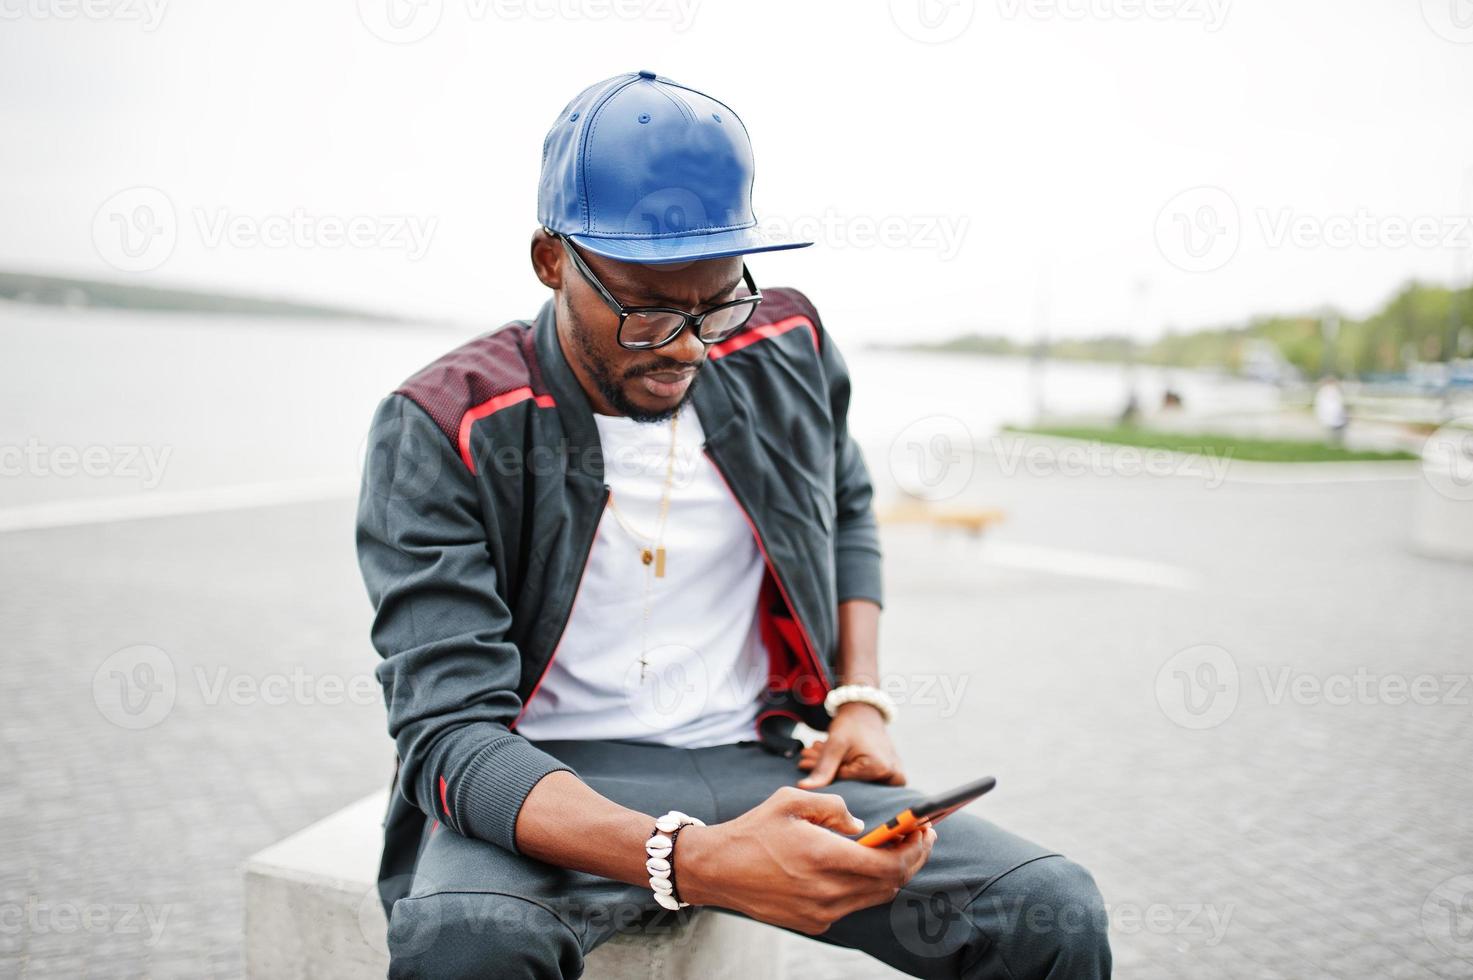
859,574
494,787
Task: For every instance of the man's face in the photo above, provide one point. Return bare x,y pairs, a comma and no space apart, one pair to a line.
646,385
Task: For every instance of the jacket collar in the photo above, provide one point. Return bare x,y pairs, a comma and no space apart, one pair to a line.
712,401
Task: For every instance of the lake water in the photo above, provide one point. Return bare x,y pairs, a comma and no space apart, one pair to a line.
187,404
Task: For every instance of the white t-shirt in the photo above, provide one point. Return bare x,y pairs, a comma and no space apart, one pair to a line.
706,661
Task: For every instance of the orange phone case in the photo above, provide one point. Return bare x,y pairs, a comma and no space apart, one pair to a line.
926,812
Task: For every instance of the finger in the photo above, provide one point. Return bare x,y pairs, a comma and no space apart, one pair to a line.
863,767
828,764
915,850
824,809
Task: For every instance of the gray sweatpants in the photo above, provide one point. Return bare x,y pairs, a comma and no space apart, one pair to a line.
986,904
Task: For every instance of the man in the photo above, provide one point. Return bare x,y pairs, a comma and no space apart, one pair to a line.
665,444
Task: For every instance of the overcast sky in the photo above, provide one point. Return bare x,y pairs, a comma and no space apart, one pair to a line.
1095,164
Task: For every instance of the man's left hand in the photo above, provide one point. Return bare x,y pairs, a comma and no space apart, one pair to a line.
857,747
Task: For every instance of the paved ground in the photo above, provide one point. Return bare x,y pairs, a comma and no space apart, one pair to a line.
1295,838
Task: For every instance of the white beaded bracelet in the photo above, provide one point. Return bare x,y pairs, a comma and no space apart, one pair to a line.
860,694
660,857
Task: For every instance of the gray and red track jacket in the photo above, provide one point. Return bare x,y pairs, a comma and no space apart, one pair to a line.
482,492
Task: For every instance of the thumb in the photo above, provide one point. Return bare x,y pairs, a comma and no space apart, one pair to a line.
829,758
825,809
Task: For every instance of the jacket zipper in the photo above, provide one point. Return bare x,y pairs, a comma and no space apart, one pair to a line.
808,647
563,628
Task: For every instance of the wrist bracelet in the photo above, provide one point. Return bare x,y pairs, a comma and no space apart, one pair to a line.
860,694
659,852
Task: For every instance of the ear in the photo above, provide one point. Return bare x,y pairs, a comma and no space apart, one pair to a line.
547,259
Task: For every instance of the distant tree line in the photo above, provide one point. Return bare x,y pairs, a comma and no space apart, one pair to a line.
1421,323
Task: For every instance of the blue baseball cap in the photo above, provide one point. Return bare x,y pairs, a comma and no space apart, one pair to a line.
641,169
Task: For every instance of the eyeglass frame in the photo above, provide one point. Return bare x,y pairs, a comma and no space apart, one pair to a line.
690,321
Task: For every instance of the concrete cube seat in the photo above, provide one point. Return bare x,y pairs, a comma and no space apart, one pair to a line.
312,910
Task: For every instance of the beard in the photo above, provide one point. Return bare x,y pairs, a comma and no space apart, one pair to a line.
612,388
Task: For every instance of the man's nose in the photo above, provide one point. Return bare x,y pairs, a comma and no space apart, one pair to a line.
686,348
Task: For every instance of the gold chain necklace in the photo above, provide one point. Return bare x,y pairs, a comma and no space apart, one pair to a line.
652,549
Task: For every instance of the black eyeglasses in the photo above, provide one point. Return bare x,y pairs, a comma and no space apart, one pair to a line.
648,327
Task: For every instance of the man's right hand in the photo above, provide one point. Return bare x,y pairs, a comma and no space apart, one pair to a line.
782,863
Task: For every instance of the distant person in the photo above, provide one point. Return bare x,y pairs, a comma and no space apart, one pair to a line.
1171,400
1329,408
1130,414
667,444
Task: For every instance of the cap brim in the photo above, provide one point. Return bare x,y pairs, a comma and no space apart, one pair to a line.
686,248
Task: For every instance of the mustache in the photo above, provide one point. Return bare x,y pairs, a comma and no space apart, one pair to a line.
664,365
